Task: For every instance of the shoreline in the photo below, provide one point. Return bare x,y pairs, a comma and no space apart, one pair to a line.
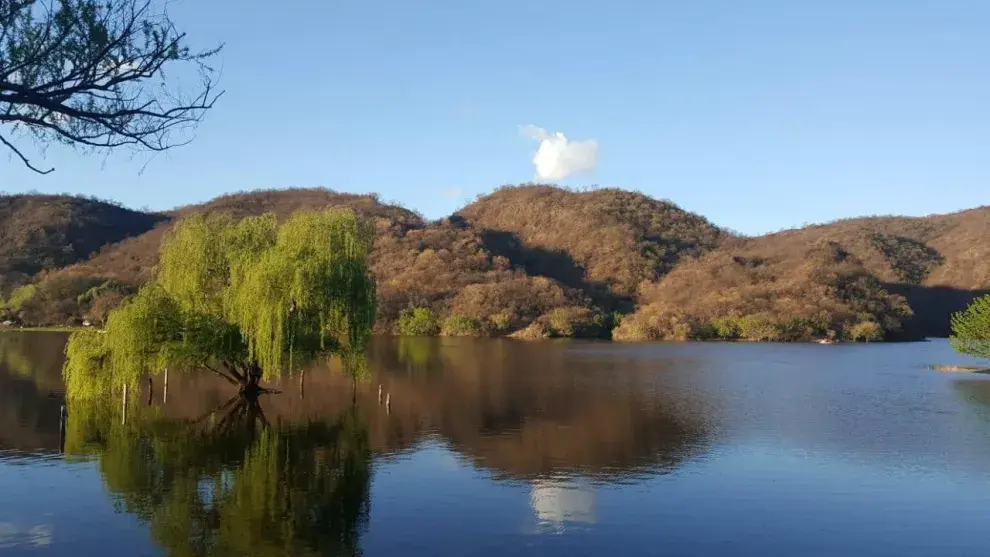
959,369
72,329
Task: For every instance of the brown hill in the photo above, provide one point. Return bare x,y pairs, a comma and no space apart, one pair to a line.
607,241
545,259
39,232
132,260
444,266
68,291
938,250
935,264
447,268
745,290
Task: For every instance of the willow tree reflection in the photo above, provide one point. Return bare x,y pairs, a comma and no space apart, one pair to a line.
34,356
30,390
230,483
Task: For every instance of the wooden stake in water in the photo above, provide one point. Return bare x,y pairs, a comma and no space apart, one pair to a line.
388,403
61,429
379,393
123,406
151,390
165,387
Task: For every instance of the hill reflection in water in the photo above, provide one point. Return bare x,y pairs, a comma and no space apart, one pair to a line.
521,410
499,447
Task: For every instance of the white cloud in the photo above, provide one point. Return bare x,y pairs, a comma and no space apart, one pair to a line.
452,193
559,157
118,67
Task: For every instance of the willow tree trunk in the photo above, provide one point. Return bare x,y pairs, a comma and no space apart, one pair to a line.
251,385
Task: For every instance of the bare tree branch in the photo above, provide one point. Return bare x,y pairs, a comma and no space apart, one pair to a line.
91,74
23,158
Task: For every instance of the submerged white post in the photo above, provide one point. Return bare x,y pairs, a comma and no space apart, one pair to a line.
123,406
165,388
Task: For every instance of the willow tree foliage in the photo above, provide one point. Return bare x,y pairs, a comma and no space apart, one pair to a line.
971,329
247,300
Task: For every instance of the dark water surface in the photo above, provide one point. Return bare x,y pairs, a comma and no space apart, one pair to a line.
507,448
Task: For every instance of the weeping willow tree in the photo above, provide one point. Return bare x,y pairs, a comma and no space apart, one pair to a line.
971,329
247,300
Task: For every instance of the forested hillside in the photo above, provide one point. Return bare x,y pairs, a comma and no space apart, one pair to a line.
39,232
832,277
608,240
536,261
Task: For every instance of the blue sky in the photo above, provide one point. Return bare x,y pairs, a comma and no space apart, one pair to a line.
760,115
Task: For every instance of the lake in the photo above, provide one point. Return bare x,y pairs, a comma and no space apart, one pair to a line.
496,447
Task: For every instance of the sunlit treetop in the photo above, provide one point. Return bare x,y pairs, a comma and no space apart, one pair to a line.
971,329
247,300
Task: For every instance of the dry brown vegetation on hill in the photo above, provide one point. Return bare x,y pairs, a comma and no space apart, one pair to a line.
939,250
747,290
934,265
446,268
442,266
39,232
608,239
539,261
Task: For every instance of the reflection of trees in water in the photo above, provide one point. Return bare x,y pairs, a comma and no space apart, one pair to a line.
12,355
228,484
532,410
35,356
30,389
523,410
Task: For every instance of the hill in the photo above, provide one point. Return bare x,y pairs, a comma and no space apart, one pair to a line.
39,232
443,267
538,260
864,270
606,241
743,290
132,260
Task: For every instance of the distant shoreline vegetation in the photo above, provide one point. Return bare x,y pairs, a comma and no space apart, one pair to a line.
540,261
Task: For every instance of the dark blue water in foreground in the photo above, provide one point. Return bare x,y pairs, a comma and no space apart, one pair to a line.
506,448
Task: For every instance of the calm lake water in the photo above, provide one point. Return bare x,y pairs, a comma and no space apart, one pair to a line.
501,448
